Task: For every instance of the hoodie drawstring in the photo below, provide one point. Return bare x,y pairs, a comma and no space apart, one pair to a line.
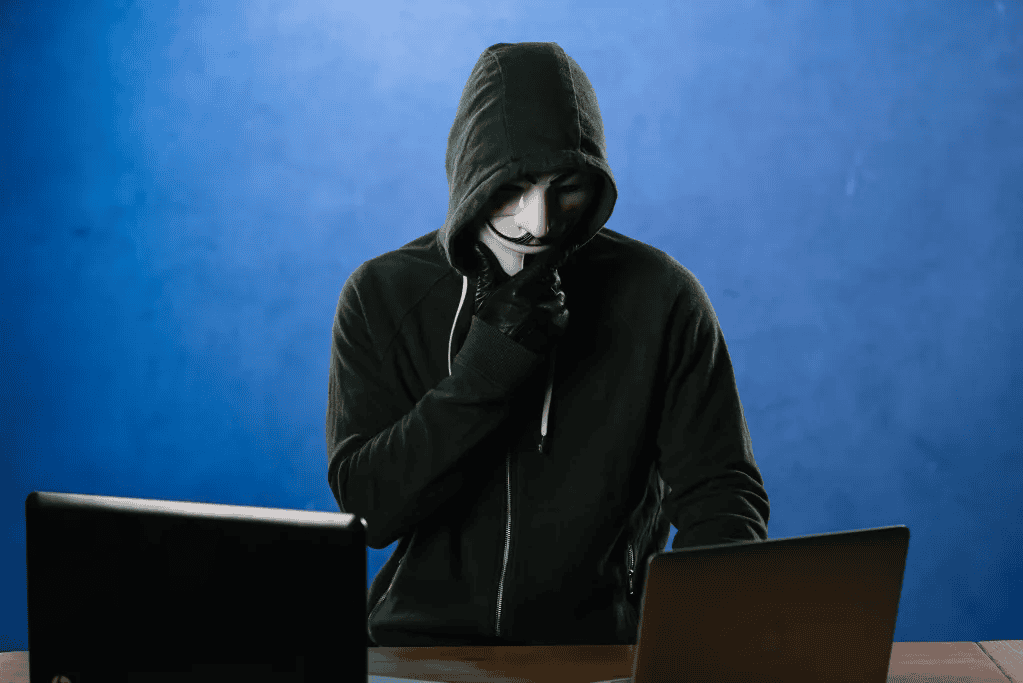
550,374
547,405
451,339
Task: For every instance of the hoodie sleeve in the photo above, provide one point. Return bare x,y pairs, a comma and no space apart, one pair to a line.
394,463
716,491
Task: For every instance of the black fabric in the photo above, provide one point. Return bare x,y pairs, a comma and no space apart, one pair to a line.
645,424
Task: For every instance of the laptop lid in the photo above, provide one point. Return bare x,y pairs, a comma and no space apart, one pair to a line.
806,608
126,589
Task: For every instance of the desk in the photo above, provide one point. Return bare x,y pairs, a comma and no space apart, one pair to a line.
999,661
993,661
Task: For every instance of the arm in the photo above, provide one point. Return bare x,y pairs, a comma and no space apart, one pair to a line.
716,494
392,463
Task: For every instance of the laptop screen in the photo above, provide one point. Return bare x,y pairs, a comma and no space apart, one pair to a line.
122,587
820,607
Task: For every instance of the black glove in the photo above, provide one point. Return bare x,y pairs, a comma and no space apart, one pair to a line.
528,307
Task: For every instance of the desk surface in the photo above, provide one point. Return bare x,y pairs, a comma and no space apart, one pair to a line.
992,661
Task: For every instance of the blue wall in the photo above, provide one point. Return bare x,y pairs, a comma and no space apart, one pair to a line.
186,190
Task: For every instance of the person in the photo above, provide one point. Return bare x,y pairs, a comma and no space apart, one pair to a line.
527,445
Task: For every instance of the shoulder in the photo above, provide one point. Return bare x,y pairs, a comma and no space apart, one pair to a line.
382,292
405,273
637,276
627,259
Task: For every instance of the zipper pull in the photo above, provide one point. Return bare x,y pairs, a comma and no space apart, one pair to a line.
543,444
631,568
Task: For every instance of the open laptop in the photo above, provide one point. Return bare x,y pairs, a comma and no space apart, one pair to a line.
806,608
127,589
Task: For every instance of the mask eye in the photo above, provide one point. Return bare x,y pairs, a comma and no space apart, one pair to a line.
505,196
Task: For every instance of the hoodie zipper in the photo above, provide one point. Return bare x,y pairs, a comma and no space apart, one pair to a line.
507,543
541,446
632,565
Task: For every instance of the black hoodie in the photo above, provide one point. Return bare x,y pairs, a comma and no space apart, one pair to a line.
435,420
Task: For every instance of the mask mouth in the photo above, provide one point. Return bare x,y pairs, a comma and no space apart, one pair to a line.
525,240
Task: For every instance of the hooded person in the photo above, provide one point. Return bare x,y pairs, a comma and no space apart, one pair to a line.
526,478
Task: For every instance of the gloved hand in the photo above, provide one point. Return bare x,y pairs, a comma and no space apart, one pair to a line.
528,307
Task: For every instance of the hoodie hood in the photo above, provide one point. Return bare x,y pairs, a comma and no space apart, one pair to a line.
526,108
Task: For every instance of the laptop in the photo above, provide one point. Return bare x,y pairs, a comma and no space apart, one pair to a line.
807,608
129,589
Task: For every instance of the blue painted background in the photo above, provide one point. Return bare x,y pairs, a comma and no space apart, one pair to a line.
186,189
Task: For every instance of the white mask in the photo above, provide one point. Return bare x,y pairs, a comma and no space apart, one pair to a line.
511,256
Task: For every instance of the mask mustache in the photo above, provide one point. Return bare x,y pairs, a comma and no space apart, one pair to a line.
527,238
